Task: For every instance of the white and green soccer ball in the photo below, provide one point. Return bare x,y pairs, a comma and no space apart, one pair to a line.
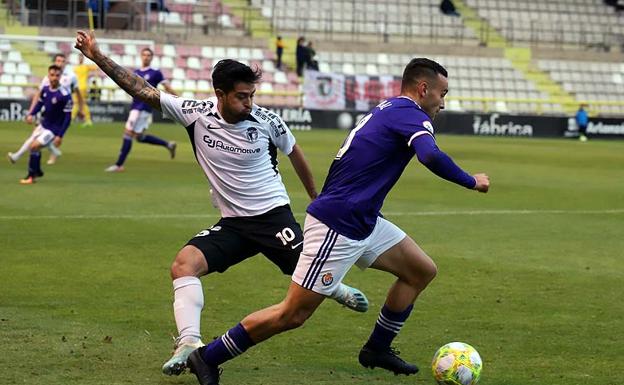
456,363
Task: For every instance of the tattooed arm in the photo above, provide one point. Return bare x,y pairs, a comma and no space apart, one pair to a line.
133,84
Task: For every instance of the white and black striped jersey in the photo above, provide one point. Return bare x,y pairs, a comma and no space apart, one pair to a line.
239,160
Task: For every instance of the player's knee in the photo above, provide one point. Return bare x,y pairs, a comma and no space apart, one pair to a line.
421,274
189,262
430,271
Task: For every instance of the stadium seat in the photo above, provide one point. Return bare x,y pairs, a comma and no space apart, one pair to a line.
6,78
10,68
207,52
193,62
169,50
280,77
14,56
17,92
20,79
5,45
203,85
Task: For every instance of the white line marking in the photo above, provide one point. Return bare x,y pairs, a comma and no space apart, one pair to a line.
389,214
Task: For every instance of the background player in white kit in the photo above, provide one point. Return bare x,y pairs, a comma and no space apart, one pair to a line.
235,142
344,227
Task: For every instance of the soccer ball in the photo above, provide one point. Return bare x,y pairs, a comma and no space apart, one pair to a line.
456,363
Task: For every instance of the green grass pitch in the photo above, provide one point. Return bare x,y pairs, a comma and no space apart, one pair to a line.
530,274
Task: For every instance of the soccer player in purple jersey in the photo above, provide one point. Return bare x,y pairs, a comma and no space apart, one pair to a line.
68,80
344,227
56,103
140,115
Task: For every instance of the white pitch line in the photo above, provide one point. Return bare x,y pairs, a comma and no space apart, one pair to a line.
389,214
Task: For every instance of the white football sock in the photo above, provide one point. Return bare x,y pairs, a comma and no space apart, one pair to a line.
54,150
25,147
187,306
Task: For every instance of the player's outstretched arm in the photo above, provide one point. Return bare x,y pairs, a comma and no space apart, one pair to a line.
443,166
300,164
133,84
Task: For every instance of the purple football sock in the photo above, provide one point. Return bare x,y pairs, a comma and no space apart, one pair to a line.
233,343
387,327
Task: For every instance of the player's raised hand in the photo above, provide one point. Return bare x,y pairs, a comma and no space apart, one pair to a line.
483,182
85,43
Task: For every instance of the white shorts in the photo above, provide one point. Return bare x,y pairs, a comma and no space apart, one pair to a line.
327,256
43,135
138,121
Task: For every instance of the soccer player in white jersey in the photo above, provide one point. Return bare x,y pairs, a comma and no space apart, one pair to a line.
235,143
344,227
69,81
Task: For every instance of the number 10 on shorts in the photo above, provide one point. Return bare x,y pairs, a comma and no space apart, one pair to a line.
286,235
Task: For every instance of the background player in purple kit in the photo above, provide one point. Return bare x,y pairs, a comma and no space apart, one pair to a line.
56,102
344,227
140,115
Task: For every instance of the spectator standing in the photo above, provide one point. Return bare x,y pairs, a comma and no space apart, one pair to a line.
95,91
311,63
279,51
582,120
302,55
448,8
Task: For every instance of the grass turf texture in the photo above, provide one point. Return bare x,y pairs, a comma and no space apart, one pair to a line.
86,297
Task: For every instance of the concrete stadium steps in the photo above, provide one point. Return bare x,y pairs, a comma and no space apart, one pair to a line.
521,60
254,22
479,26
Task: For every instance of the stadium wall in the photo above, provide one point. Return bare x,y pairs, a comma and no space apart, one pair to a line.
480,124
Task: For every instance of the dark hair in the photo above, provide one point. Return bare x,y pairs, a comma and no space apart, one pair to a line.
54,67
419,68
148,49
226,73
60,54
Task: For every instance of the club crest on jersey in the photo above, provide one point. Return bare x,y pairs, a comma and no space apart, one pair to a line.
252,134
427,124
327,279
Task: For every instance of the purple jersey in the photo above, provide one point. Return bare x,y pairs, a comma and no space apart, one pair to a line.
368,164
153,77
57,105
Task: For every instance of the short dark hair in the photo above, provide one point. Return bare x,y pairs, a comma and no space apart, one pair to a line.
54,67
147,49
226,73
60,54
421,67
